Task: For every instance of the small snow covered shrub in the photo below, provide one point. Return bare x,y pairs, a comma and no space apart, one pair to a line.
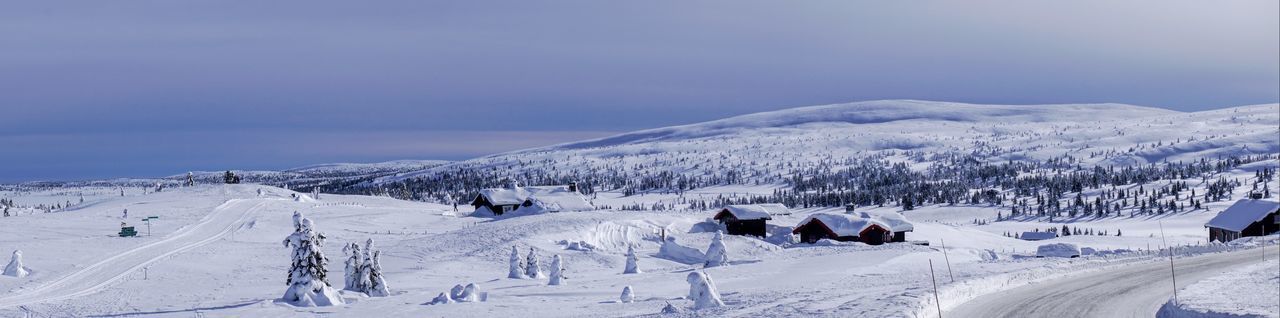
716,254
628,295
516,269
557,271
702,291
532,268
632,267
15,267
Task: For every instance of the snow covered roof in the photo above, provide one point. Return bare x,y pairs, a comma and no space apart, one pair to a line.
1242,213
1037,236
894,219
747,212
560,200
844,224
517,195
776,208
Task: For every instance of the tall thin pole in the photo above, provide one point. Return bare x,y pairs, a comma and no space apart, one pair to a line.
948,259
1172,273
935,289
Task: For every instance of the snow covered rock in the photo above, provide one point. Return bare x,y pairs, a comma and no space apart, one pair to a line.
1066,250
442,299
470,294
702,291
15,267
716,253
671,309
456,291
632,267
557,271
628,296
516,270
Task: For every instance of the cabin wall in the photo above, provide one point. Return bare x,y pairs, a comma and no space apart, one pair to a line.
744,227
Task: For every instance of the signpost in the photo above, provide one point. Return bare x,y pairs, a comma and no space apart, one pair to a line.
148,220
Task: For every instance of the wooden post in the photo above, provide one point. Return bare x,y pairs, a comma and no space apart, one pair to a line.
936,301
948,259
1172,273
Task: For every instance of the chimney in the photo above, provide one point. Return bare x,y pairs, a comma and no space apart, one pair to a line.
512,184
848,208
573,186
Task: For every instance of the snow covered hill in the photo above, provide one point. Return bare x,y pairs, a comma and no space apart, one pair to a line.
762,145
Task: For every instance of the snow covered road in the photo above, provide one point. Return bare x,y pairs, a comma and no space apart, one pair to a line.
223,220
1130,291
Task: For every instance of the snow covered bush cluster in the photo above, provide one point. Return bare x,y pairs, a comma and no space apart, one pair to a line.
364,270
307,284
532,267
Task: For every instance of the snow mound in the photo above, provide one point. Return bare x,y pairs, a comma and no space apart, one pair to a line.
679,253
1066,250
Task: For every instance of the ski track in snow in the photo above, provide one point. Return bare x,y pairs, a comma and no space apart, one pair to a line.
93,278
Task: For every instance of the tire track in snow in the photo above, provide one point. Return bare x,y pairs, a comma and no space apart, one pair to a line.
1129,291
222,221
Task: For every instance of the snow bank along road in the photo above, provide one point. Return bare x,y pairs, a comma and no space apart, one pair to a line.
1129,291
221,221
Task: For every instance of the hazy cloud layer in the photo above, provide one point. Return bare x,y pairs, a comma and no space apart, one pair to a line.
208,71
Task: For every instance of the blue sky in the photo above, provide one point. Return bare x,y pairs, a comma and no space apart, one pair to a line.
94,89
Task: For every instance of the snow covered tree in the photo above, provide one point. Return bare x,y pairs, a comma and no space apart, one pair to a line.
628,295
516,269
307,284
15,267
716,253
632,267
702,291
378,283
532,268
352,269
557,271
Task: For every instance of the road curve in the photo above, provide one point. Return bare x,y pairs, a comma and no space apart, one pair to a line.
93,278
1129,291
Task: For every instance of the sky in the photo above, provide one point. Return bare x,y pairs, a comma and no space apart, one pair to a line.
99,89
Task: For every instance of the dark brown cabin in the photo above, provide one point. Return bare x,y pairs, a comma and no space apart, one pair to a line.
815,229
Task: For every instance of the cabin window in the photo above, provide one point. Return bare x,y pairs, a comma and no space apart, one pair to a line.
506,208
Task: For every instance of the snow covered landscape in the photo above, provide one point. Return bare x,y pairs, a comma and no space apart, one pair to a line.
207,248
497,158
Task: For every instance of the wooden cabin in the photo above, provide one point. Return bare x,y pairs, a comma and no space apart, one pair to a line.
1247,217
744,219
844,228
536,199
